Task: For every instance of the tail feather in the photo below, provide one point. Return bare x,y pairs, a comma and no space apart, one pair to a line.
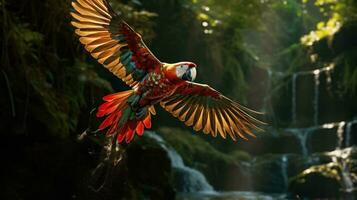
117,96
140,128
107,108
130,131
121,121
113,102
108,121
147,121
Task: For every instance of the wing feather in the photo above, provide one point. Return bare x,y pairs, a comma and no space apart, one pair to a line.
205,109
112,41
207,124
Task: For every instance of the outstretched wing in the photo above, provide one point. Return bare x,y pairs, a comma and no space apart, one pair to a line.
204,108
112,41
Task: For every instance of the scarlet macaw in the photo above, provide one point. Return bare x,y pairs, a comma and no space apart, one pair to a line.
121,50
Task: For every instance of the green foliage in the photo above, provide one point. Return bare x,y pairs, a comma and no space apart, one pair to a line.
46,69
335,14
228,39
223,28
142,20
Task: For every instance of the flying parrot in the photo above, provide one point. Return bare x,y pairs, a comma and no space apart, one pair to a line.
120,49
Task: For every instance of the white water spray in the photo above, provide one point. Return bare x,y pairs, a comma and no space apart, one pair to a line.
341,156
191,180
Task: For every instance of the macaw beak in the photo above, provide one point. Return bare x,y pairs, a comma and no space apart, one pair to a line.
191,65
190,74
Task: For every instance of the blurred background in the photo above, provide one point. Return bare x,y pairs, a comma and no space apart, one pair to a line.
294,60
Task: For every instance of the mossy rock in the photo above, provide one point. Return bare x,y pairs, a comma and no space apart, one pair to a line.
224,171
320,181
149,169
269,173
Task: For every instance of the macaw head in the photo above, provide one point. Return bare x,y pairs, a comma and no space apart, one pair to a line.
182,71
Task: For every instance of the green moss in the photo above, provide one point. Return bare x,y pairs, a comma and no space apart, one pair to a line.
241,155
194,149
330,170
320,181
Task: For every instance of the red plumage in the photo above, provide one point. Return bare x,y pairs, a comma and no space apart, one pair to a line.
121,50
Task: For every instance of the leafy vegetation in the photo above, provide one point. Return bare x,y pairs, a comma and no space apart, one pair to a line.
248,49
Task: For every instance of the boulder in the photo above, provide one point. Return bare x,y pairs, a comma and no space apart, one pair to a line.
321,181
329,175
269,173
149,169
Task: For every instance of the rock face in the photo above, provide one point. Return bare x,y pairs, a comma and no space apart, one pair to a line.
317,182
149,169
333,179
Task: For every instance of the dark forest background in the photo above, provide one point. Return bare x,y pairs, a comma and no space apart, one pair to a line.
294,60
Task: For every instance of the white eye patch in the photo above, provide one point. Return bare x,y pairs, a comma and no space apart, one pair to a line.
181,70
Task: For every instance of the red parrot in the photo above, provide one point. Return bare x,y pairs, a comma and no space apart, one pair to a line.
121,50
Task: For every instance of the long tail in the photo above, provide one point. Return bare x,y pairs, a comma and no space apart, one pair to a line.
122,121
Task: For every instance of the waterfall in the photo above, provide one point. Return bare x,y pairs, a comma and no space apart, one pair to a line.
316,96
302,136
348,133
346,177
328,78
316,74
340,157
284,171
187,179
340,131
293,100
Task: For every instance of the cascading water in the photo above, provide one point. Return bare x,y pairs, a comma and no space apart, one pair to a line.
348,132
316,96
187,179
316,73
302,136
284,171
340,131
340,157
